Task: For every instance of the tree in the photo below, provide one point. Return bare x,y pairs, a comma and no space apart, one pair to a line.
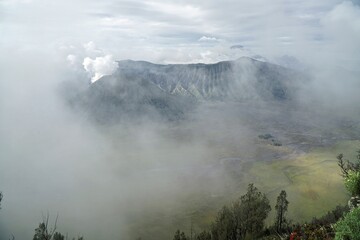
281,208
1,197
251,212
58,236
180,235
346,166
352,182
204,235
351,173
224,227
349,226
44,233
245,218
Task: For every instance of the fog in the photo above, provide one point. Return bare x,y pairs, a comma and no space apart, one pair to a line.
96,178
149,176
112,181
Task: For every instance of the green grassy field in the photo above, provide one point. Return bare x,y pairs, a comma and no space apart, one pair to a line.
312,180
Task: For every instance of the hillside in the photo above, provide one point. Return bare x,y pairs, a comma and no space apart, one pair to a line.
141,89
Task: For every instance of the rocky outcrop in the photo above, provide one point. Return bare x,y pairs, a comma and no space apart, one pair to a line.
354,202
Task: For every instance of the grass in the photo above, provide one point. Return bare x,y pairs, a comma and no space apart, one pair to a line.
312,181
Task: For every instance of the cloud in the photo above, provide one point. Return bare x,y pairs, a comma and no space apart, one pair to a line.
208,39
88,58
72,59
341,31
179,10
100,66
136,29
116,22
91,49
342,20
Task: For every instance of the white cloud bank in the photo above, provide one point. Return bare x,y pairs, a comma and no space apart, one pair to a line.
100,66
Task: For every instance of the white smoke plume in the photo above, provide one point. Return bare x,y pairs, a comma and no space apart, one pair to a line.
100,66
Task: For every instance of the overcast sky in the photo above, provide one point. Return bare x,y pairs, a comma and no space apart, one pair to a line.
185,31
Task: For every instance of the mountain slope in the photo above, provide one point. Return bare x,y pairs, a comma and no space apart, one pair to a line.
242,79
140,88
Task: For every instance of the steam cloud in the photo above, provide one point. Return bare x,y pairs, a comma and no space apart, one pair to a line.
100,66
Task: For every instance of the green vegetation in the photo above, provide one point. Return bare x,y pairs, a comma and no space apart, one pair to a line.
224,226
306,178
243,220
348,228
277,144
319,228
246,217
43,232
180,235
352,183
351,172
331,216
271,138
311,180
281,209
266,136
346,166
251,211
1,197
204,235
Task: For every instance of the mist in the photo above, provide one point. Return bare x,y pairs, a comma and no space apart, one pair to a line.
96,178
145,175
108,181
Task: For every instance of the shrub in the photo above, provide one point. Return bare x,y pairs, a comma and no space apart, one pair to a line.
1,196
266,136
348,228
332,216
352,182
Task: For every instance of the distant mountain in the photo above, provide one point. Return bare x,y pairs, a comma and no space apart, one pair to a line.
124,97
290,62
140,88
242,79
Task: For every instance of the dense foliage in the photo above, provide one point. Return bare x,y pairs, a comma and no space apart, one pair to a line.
348,228
346,166
243,220
352,182
331,216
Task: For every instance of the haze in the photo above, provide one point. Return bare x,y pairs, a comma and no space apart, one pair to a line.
114,181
